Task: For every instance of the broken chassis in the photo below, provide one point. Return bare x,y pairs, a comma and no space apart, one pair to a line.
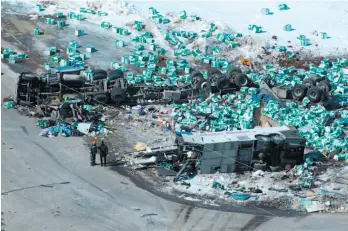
32,90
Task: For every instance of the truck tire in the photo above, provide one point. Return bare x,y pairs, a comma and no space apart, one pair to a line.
214,75
116,74
242,80
99,72
232,72
196,77
317,78
117,95
315,94
324,85
223,83
309,82
204,87
100,97
99,76
203,83
299,91
29,78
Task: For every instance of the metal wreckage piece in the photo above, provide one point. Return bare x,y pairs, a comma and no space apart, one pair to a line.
112,88
224,152
102,89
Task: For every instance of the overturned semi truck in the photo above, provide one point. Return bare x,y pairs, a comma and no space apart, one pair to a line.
112,87
102,88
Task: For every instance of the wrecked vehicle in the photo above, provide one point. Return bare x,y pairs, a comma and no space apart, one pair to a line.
229,151
316,88
113,88
259,148
33,89
103,88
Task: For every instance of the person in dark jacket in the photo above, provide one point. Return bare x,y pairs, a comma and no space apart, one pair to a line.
103,151
94,150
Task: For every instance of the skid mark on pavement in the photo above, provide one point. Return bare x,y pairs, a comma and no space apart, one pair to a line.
25,130
255,222
198,221
188,213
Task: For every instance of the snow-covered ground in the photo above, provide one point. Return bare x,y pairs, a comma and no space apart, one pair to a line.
326,190
308,18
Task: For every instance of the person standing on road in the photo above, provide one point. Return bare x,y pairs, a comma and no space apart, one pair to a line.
93,153
103,151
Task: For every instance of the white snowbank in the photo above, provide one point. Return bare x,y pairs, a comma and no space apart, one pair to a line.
306,17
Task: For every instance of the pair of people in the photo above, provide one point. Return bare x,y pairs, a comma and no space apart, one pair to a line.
103,152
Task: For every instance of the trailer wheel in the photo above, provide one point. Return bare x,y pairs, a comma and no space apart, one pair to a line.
214,75
232,73
99,76
309,82
196,77
325,85
317,78
118,95
28,76
299,91
314,94
203,83
196,74
116,74
223,83
100,97
242,80
204,88
100,73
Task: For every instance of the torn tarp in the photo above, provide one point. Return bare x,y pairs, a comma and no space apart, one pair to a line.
45,123
9,104
61,128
